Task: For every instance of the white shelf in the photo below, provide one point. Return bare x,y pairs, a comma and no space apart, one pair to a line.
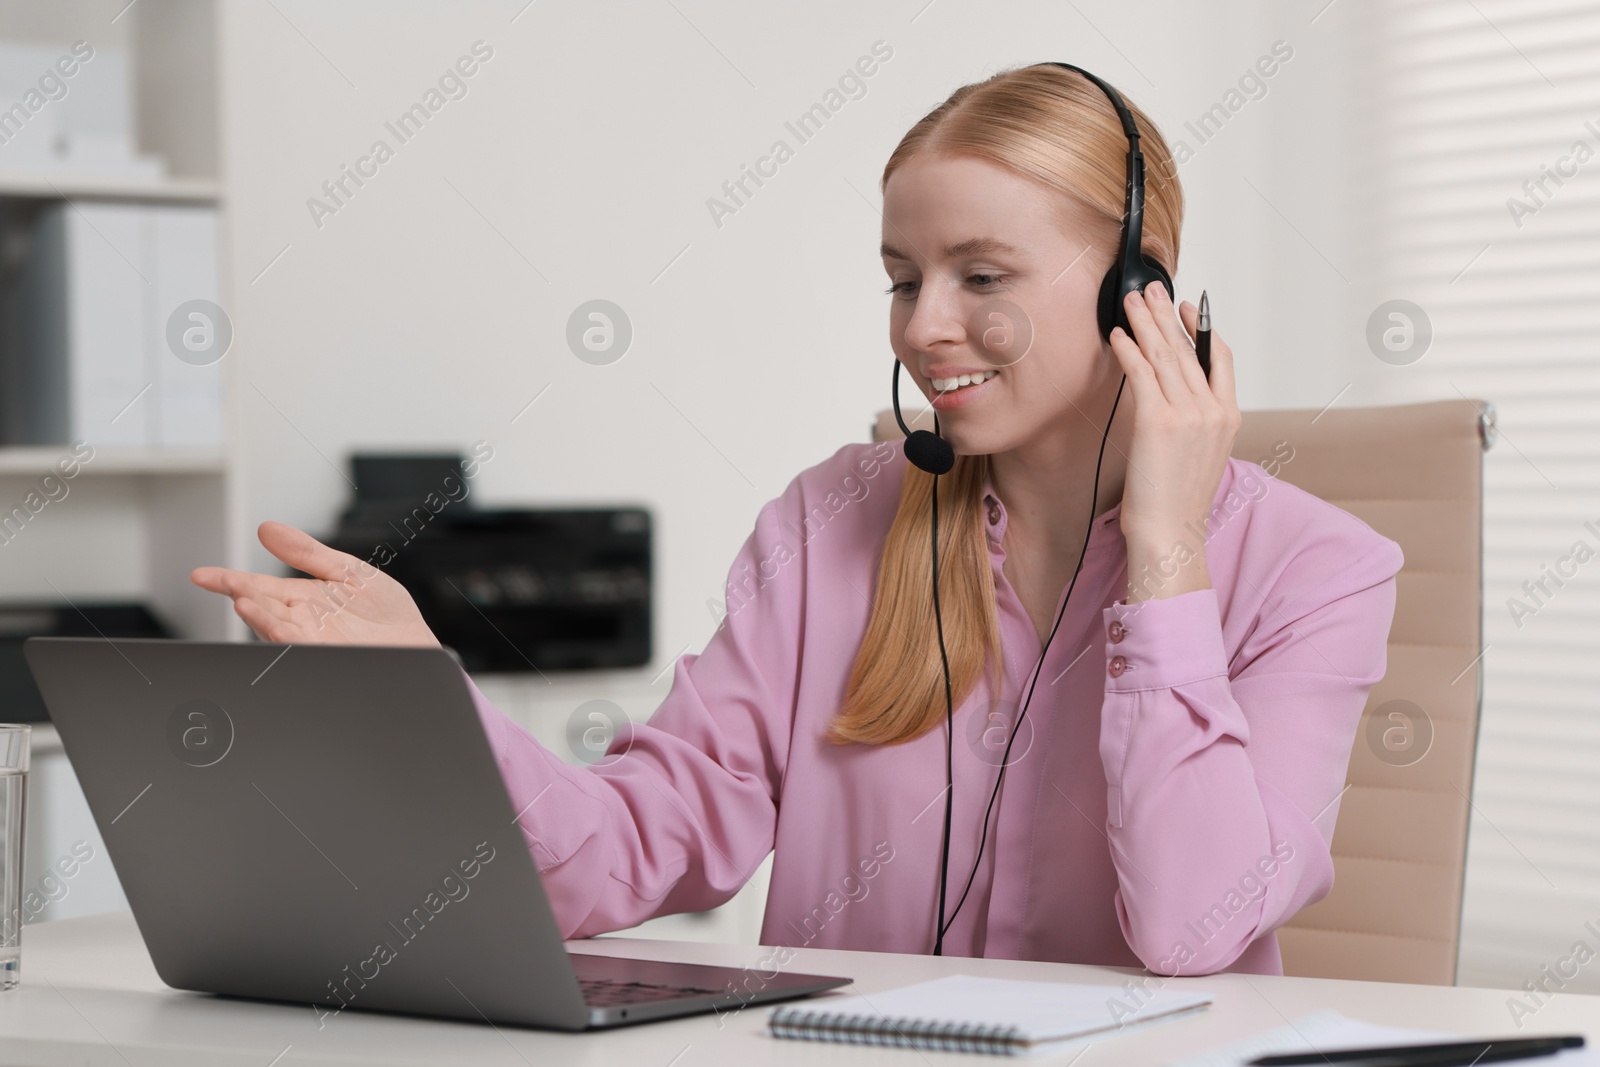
137,519
94,187
40,459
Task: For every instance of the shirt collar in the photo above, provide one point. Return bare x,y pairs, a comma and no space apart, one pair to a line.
995,516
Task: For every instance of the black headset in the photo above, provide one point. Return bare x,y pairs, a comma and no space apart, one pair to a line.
1131,270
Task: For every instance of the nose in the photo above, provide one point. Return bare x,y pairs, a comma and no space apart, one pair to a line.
936,318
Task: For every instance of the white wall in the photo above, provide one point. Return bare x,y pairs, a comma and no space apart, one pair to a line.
588,146
591,141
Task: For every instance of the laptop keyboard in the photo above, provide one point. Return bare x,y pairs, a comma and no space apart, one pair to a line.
606,992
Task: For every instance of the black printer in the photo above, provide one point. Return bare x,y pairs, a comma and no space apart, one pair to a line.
509,589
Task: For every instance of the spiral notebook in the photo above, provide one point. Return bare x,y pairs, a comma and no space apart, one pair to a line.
961,1013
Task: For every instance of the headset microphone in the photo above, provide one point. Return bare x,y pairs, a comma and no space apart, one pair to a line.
928,451
1130,271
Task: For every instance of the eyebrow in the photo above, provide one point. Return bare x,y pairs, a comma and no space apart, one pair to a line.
972,246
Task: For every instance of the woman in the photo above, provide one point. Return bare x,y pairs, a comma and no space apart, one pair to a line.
1170,797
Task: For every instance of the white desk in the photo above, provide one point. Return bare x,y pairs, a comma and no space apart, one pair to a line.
90,996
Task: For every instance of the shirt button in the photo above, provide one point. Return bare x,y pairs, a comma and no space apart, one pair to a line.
1118,665
1117,631
994,514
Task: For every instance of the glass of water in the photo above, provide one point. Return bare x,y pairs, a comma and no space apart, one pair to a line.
13,822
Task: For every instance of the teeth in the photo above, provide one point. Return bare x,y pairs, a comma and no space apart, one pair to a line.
945,385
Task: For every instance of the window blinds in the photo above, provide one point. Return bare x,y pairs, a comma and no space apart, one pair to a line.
1489,220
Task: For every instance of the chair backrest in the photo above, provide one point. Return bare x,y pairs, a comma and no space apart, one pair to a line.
1414,473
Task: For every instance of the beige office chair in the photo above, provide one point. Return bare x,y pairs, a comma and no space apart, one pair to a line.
1414,473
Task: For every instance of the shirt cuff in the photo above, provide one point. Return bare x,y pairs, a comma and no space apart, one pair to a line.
1163,643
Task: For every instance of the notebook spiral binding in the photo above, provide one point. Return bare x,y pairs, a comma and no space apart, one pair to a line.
930,1034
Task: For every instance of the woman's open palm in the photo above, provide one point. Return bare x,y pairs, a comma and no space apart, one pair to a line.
347,601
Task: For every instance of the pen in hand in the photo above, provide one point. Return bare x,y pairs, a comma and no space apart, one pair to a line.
1202,335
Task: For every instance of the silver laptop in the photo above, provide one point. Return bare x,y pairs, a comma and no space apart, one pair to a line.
326,824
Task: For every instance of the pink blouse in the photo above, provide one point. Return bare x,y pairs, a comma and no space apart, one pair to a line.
1170,797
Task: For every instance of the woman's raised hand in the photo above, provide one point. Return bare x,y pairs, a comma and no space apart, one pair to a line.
1184,427
347,601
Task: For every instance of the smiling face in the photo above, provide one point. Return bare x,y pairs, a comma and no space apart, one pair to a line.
995,279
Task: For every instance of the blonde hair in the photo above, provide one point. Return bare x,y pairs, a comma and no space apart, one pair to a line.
1059,129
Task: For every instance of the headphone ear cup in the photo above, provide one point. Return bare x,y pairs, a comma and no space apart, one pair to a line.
1109,308
1106,309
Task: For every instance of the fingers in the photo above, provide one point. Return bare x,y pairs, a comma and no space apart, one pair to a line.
1222,380
1141,376
284,614
290,610
303,552
1167,316
300,624
231,583
266,625
208,578
1164,342
1190,315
